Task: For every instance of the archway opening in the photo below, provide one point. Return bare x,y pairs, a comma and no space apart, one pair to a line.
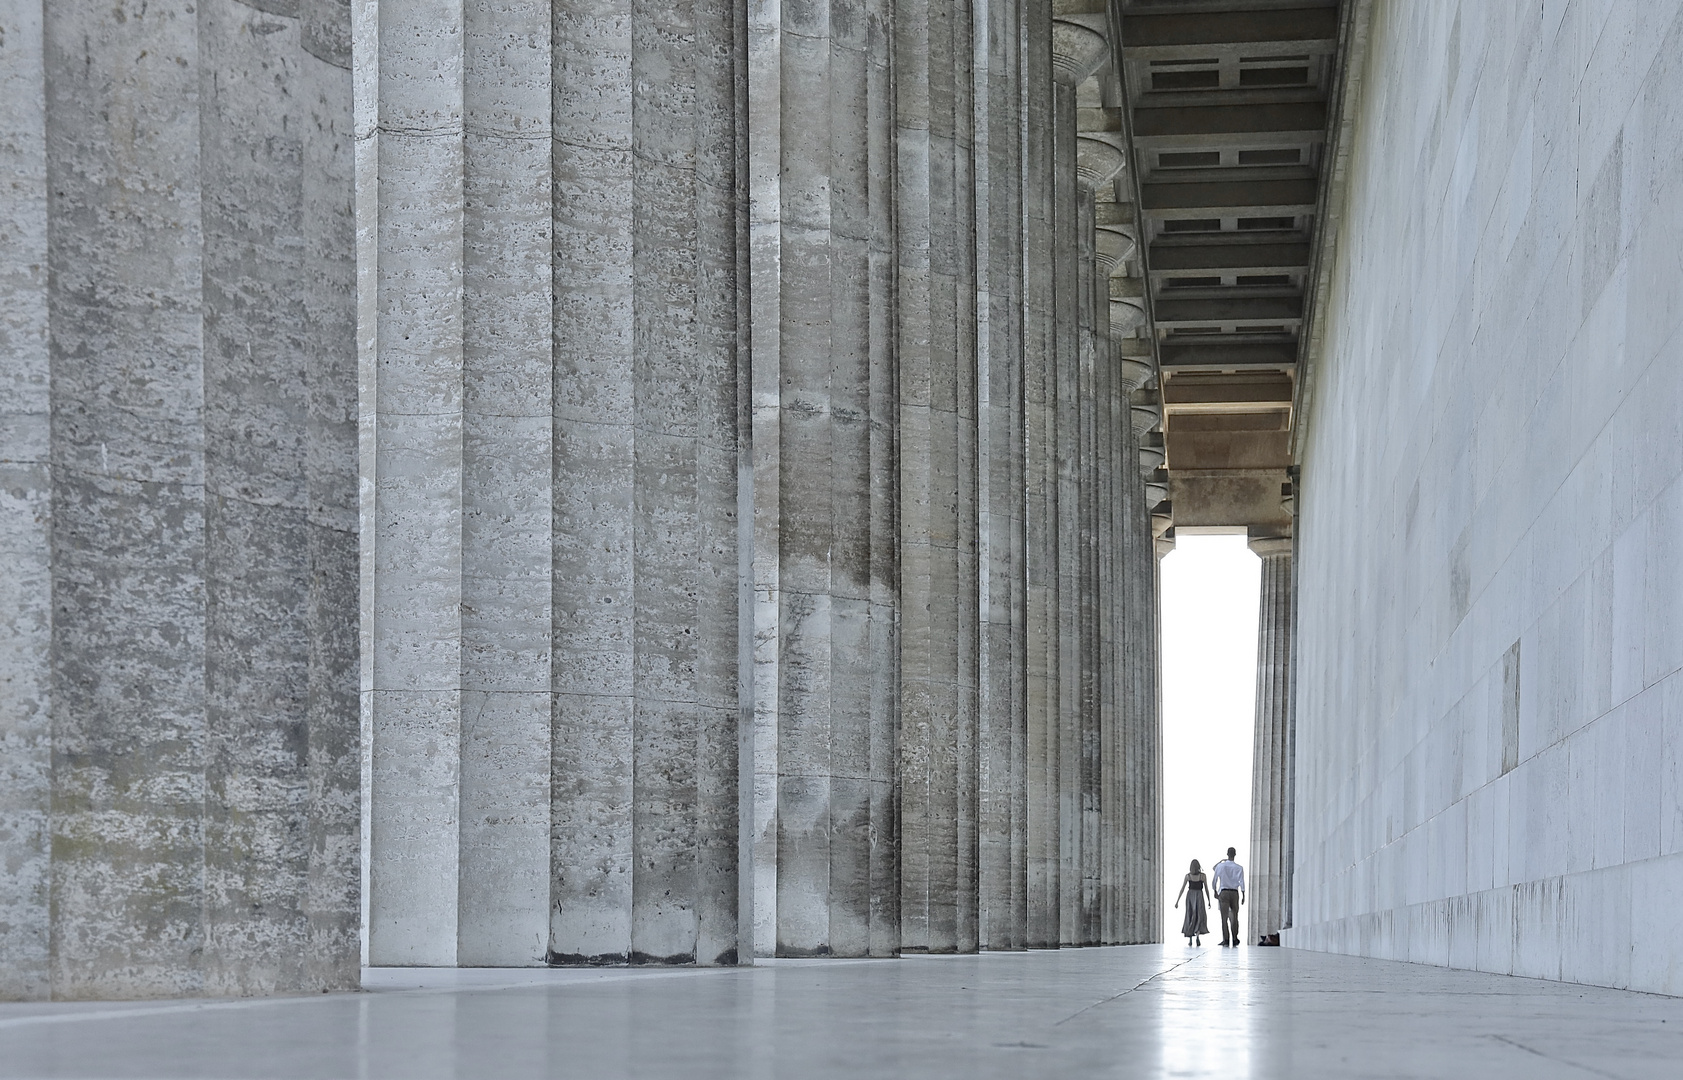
1210,590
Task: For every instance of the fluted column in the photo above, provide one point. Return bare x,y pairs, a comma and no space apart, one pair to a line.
937,343
1002,683
1065,273
644,789
644,782
553,368
827,753
1040,393
1270,772
178,788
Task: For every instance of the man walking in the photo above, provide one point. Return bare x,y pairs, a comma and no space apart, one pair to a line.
1230,893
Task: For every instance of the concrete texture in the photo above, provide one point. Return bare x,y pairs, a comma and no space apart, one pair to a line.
1146,1011
1488,641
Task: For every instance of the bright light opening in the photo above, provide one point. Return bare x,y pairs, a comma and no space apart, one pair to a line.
1211,587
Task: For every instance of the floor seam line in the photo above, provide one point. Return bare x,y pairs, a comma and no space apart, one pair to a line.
1125,993
1550,1057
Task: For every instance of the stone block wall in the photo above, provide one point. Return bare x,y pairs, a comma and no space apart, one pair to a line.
1490,719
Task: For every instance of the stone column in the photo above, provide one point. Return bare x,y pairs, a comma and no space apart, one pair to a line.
280,496
830,191
644,782
1041,535
1118,479
1097,163
554,717
26,490
179,310
1271,767
1002,716
937,343
1065,272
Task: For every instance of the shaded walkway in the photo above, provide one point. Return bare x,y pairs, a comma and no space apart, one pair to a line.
1134,1012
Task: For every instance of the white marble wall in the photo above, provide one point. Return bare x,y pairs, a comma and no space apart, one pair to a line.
1490,720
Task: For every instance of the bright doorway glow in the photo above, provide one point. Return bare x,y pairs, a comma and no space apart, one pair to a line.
1210,595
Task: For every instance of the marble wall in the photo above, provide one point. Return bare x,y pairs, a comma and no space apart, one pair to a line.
1490,711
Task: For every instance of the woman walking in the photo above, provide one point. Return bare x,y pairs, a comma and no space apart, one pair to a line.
1197,921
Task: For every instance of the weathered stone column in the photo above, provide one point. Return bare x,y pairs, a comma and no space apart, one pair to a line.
180,457
827,654
1141,772
26,490
1040,394
1003,655
937,344
281,819
1097,163
1270,771
644,782
554,716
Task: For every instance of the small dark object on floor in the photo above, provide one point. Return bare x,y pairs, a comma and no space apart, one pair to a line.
1269,939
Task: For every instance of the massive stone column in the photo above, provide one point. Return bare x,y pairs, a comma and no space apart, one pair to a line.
128,501
1041,535
1271,790
279,498
827,676
554,717
26,489
1003,648
178,732
646,742
937,347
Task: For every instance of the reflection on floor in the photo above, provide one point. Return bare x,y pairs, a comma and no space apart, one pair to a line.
1135,1012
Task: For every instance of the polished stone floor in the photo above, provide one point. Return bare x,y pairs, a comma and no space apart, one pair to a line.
1135,1012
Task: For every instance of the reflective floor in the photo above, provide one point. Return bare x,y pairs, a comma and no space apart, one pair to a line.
1136,1012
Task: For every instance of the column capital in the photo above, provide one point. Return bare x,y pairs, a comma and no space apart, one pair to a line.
1267,546
1079,46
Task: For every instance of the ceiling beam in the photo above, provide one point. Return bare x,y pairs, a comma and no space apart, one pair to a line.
1229,309
1194,126
1250,258
1218,354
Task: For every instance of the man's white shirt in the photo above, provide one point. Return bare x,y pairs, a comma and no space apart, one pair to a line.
1228,875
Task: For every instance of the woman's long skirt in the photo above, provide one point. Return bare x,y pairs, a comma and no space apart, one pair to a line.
1197,919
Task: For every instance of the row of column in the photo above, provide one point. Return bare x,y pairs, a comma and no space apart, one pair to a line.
806,609
754,551
178,500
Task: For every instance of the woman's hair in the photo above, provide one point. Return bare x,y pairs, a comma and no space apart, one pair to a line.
1195,867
